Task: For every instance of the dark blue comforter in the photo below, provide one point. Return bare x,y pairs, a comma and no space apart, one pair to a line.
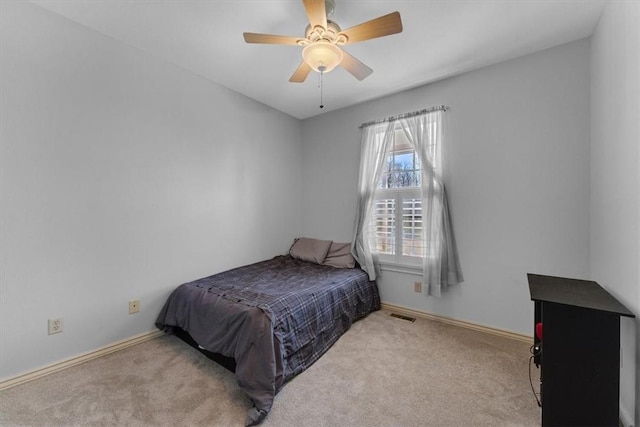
274,317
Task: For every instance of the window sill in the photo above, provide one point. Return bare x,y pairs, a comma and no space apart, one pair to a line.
415,270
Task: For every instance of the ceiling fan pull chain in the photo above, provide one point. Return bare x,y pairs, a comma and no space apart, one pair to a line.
320,84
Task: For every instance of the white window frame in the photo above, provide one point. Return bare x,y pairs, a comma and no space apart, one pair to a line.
397,261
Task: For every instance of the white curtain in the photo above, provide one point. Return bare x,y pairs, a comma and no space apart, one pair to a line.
374,144
441,265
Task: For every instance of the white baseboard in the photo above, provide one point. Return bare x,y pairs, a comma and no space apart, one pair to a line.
461,323
76,360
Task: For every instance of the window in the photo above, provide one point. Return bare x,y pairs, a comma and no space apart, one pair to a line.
396,222
402,216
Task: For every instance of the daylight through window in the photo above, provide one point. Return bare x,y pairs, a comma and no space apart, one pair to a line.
397,221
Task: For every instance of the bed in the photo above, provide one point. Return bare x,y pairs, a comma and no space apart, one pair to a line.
275,317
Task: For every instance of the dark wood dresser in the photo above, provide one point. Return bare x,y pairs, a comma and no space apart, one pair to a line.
579,353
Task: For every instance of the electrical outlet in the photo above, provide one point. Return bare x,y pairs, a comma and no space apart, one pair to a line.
417,286
134,306
56,326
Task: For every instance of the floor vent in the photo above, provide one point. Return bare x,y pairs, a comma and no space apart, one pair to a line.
400,316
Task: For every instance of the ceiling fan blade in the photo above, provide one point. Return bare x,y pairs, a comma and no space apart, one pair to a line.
270,39
316,12
301,73
379,27
355,67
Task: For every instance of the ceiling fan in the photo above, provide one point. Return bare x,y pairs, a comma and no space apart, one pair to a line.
321,44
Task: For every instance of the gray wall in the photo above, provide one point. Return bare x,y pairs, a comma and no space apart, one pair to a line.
615,178
123,176
517,151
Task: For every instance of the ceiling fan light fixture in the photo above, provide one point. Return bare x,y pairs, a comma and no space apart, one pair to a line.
322,54
323,40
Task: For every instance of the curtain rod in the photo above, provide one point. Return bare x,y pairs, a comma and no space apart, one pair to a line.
405,115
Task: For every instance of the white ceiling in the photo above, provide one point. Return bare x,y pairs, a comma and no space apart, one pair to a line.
440,39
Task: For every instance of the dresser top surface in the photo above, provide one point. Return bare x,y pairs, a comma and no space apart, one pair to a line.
575,292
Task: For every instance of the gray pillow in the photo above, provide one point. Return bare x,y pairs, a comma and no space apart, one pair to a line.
339,256
312,250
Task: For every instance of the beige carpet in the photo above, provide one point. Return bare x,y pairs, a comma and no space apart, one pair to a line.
382,372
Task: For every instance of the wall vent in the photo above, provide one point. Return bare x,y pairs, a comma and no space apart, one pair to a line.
400,316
